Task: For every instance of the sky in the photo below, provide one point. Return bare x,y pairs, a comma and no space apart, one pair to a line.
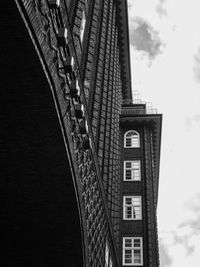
165,66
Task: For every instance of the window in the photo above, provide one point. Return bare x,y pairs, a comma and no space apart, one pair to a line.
131,139
132,251
82,28
132,208
108,258
132,171
106,254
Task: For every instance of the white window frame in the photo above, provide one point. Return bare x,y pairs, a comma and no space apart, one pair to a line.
132,250
135,170
82,28
134,209
135,141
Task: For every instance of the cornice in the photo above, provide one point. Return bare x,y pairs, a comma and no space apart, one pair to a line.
122,21
155,123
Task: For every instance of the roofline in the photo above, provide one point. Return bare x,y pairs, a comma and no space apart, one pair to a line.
124,44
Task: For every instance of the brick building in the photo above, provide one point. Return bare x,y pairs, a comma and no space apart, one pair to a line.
80,160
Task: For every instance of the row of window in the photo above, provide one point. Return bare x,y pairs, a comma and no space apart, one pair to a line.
132,205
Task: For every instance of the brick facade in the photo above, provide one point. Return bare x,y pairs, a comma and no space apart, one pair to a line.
79,64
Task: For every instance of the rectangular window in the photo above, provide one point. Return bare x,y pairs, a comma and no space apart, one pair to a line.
132,251
106,254
132,170
132,208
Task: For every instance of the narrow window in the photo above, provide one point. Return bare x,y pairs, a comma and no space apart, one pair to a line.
106,254
131,139
82,28
132,170
111,263
132,251
132,208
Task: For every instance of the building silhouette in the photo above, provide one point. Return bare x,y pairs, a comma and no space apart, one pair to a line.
80,154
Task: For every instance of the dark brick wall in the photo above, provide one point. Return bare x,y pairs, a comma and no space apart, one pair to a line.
101,76
39,214
132,228
103,72
147,227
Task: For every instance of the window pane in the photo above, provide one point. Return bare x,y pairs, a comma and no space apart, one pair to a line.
136,242
128,256
136,172
136,201
136,213
128,200
137,261
128,252
128,214
128,260
128,142
128,242
136,164
128,164
137,255
128,174
136,175
129,134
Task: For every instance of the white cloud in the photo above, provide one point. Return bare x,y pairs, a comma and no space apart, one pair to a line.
191,120
144,38
196,67
162,12
181,246
171,83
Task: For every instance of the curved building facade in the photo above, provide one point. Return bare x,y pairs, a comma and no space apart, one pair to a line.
81,161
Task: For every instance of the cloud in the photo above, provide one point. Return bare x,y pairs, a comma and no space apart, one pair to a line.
191,120
193,203
164,257
144,38
183,249
130,4
196,68
181,246
162,12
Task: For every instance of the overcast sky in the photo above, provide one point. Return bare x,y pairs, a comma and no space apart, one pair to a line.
165,59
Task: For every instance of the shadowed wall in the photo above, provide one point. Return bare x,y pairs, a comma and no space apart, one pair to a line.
39,215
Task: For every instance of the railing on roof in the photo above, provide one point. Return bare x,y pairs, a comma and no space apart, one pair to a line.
138,107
